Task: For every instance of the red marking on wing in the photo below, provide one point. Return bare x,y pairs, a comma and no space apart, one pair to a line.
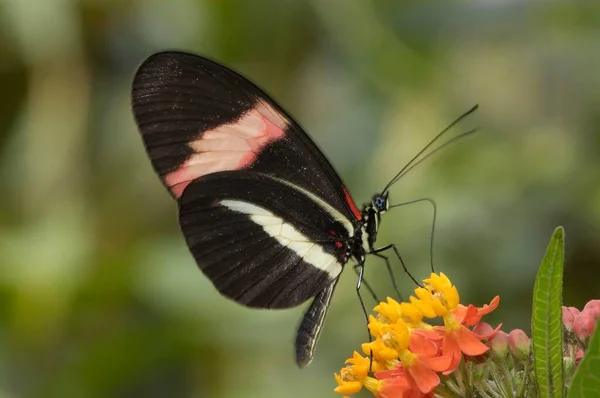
337,243
229,146
353,207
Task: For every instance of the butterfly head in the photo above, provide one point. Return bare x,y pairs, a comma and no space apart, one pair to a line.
380,202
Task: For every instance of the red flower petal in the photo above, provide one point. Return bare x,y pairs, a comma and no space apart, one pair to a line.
391,373
459,313
426,379
469,343
436,334
471,315
450,348
439,364
394,387
421,345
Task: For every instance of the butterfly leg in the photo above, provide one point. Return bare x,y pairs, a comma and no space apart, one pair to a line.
361,273
393,247
371,291
389,268
360,270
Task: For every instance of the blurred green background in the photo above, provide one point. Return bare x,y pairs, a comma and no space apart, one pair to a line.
99,296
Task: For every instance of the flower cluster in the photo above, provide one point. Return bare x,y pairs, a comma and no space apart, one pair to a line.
579,326
582,323
507,370
408,355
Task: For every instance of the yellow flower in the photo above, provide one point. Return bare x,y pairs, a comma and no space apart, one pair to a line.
346,386
436,299
411,315
426,303
381,352
359,364
377,366
390,344
397,336
373,385
390,310
441,286
376,327
352,377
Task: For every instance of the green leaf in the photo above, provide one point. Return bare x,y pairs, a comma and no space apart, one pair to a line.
586,382
546,323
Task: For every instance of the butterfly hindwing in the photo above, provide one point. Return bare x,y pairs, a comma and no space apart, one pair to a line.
262,241
198,117
311,325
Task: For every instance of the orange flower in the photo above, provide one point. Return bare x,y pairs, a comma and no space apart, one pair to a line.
471,315
397,383
423,361
457,339
416,371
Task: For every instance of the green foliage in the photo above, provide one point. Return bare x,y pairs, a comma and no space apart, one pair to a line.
586,382
100,295
546,323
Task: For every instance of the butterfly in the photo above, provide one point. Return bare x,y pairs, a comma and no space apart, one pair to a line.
264,213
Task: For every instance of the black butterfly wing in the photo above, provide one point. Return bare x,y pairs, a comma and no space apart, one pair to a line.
311,326
198,117
263,241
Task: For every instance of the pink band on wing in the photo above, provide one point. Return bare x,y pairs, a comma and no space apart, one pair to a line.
229,146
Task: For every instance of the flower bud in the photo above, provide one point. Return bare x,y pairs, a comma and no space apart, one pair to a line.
499,345
519,344
483,329
584,325
567,318
593,308
574,310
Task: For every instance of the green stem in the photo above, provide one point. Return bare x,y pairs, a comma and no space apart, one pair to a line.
454,387
495,373
465,375
509,379
525,381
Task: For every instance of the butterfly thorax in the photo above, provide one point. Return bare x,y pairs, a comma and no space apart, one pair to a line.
371,218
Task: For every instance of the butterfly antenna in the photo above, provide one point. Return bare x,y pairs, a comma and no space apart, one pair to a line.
412,163
429,200
444,145
431,237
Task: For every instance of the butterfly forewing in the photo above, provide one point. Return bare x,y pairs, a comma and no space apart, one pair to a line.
263,242
198,117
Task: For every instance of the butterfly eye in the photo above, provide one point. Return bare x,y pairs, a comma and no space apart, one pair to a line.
379,202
